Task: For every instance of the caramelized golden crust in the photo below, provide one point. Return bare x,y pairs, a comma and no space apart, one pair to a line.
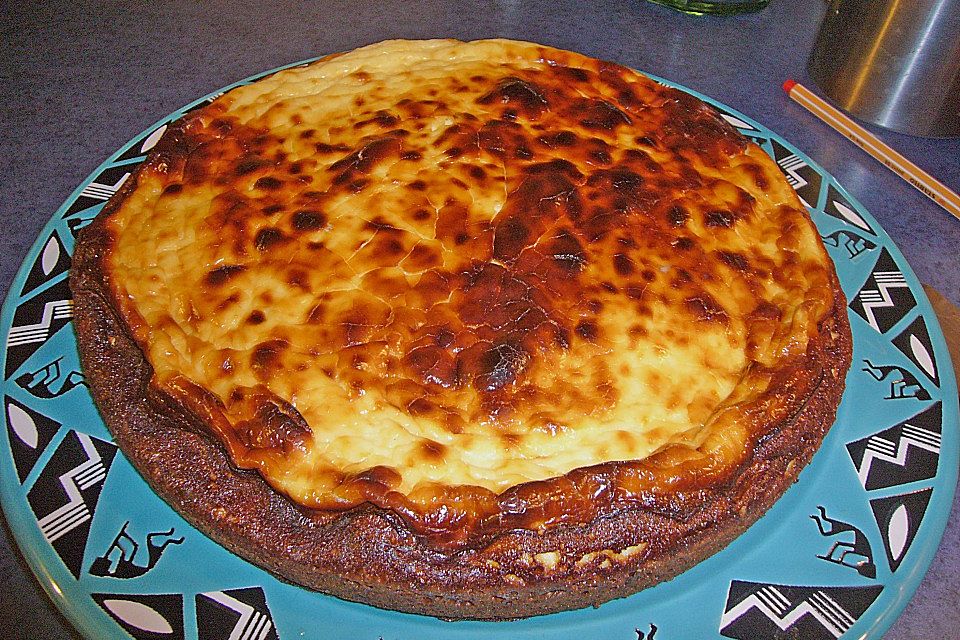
513,318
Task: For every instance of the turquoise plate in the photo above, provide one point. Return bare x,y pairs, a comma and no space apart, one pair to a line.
838,556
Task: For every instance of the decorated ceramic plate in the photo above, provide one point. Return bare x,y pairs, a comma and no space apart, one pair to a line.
838,556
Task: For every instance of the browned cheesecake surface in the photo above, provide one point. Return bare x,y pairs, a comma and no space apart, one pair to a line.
484,287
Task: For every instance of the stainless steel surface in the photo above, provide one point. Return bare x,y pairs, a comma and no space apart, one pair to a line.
895,63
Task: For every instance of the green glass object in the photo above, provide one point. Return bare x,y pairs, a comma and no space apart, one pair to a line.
714,7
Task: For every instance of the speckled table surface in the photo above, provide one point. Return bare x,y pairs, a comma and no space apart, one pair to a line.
79,79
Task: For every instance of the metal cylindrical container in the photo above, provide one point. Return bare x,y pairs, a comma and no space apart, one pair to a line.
895,63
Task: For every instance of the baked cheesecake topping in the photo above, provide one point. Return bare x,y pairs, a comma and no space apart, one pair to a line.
482,285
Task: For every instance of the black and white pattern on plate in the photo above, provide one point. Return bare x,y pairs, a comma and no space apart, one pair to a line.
240,614
758,611
915,343
742,126
906,452
81,218
145,616
736,121
52,262
124,557
853,244
850,547
66,493
50,380
29,433
35,320
202,103
805,179
885,298
100,189
898,518
142,145
840,208
899,383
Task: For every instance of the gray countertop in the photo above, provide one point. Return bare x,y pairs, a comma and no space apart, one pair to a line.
79,79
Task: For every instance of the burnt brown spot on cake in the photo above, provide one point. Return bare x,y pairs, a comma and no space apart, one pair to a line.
519,94
623,264
249,165
266,356
734,260
306,220
432,451
268,183
222,275
275,425
268,238
677,215
719,218
367,157
704,307
587,330
600,114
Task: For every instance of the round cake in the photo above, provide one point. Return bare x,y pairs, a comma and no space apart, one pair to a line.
474,330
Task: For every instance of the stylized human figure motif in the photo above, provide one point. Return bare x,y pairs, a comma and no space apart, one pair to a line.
49,381
124,564
79,222
903,384
855,244
859,547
